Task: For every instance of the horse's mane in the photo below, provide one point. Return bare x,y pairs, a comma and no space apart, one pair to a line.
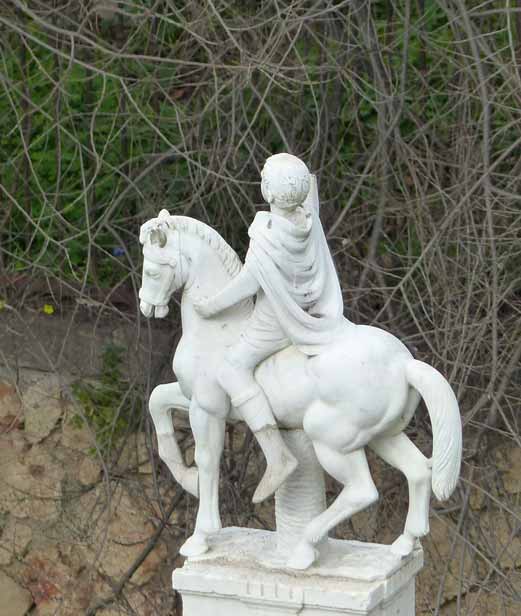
227,255
229,258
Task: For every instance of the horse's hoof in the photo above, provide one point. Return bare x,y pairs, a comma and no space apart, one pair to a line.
194,546
403,546
303,557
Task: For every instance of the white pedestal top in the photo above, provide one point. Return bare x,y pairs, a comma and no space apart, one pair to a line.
352,577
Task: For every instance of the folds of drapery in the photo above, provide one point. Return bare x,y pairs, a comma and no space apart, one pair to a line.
294,267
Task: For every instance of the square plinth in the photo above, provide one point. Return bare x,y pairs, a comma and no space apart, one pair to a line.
242,575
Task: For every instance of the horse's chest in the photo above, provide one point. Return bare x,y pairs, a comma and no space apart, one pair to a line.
184,365
193,361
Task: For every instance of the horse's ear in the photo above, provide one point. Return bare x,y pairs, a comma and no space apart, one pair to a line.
158,236
143,232
162,238
163,215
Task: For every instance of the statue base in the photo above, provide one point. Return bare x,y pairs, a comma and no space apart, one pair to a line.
243,574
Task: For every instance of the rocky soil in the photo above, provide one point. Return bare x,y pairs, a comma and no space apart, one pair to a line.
69,534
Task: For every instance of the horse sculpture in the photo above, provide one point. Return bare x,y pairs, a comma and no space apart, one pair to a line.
363,390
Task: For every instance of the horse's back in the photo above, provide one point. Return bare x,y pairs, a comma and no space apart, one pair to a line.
362,368
365,367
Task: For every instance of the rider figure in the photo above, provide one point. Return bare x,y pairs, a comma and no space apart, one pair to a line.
298,301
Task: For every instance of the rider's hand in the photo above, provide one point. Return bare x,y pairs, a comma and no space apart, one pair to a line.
203,306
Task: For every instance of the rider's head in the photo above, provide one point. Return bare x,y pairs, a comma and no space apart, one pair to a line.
285,181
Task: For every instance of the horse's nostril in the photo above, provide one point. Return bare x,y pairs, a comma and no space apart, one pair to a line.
146,308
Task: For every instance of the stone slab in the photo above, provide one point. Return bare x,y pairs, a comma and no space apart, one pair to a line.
243,574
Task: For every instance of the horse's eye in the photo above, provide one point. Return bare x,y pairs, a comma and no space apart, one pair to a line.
152,274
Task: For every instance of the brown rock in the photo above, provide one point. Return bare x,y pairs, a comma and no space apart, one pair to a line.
122,536
365,524
11,446
11,416
9,400
9,456
43,406
444,564
89,471
32,488
15,538
508,460
497,536
135,455
477,498
482,604
77,437
16,601
145,602
56,589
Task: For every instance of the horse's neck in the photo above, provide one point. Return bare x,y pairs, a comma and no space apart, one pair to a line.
208,275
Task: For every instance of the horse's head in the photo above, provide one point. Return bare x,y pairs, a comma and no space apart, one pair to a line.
164,266
180,251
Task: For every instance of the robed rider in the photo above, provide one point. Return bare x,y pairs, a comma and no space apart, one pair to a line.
290,270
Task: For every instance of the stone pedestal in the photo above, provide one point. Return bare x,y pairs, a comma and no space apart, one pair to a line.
243,574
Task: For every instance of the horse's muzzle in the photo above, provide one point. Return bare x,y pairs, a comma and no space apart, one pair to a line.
161,311
146,309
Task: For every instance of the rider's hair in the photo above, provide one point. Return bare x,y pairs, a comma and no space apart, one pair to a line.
287,178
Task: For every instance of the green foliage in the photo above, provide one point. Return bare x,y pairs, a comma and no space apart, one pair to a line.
66,156
80,132
109,405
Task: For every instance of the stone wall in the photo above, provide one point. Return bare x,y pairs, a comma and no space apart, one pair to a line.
69,533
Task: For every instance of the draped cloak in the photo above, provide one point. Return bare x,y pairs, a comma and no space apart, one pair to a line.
294,268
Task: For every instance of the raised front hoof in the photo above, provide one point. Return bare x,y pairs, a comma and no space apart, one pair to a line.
272,480
196,545
303,557
404,545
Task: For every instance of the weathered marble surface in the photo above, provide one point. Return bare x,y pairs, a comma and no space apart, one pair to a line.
243,573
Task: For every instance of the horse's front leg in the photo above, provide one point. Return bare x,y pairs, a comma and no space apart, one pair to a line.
163,399
208,433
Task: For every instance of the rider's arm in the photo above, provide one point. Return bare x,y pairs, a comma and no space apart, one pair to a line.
242,286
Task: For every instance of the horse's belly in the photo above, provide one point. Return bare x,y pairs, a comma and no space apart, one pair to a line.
288,386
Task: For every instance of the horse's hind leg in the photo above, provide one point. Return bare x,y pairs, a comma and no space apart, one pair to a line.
399,451
359,492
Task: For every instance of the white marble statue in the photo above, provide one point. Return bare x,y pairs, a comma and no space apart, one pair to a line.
289,359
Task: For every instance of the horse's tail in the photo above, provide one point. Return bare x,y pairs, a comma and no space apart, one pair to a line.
446,425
